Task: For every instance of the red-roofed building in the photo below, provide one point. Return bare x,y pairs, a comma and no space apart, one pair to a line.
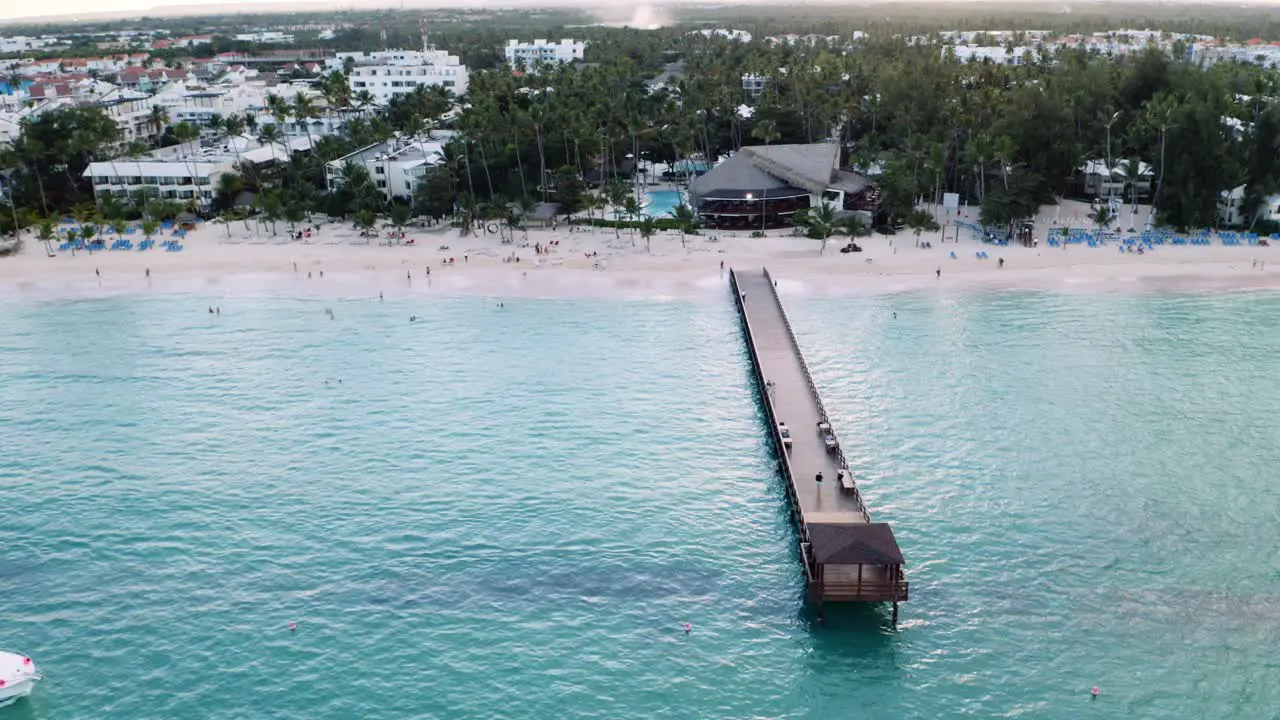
49,91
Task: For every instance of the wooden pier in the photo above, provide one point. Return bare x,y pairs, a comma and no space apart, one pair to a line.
846,556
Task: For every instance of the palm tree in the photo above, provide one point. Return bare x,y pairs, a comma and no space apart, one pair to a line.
526,206
1159,114
1101,216
821,223
648,226
684,217
766,131
1002,150
616,193
632,208
304,108
149,228
400,214
158,121
920,220
1133,175
88,231
278,108
187,134
46,234
271,135
364,99
980,151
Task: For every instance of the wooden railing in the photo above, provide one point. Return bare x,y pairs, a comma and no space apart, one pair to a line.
813,389
898,591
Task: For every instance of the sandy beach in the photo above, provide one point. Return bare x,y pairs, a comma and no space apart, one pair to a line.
221,261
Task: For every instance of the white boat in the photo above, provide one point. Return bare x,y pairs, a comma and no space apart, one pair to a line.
18,676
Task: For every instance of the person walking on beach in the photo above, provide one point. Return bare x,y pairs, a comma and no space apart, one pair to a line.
939,271
97,272
818,478
148,274
1001,263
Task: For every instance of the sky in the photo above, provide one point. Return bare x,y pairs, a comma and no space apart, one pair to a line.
70,9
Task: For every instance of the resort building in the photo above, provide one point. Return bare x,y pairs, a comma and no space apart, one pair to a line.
1098,179
1233,213
530,55
131,112
395,166
984,54
741,36
21,43
184,172
753,85
765,186
397,72
265,37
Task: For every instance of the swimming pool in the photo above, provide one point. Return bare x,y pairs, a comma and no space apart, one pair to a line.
660,203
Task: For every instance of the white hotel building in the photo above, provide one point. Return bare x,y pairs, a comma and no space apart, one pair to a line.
538,52
394,166
397,72
184,172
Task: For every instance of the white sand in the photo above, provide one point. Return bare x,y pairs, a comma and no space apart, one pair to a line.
217,266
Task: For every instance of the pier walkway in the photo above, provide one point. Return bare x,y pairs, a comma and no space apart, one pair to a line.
846,556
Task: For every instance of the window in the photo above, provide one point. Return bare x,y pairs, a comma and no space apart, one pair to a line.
380,170
382,184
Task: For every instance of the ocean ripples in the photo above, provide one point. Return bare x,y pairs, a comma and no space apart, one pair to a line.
512,512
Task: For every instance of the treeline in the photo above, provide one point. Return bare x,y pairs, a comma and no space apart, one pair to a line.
1006,137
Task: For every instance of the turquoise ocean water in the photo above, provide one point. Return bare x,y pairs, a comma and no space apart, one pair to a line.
511,513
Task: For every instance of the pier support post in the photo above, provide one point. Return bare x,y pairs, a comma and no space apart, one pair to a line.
895,613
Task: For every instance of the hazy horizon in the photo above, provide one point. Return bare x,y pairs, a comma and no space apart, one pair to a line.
99,10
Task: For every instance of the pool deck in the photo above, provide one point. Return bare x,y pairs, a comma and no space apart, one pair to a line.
846,556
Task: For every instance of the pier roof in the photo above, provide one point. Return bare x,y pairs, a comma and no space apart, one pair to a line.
854,544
